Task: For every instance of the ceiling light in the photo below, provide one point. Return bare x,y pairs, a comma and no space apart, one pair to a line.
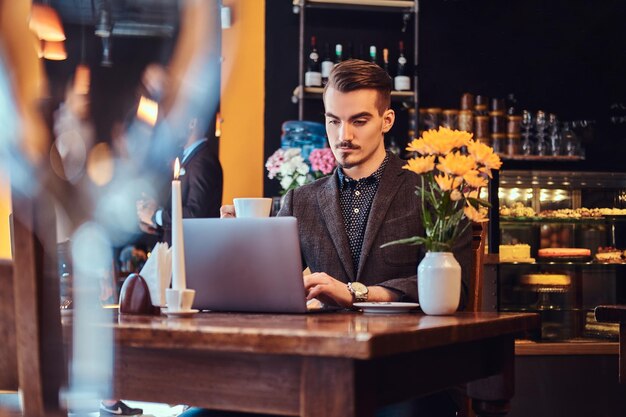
45,22
54,51
103,28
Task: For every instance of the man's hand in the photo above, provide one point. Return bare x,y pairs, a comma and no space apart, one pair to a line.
146,207
327,289
227,211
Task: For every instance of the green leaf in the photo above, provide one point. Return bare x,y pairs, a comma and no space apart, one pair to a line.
475,202
415,240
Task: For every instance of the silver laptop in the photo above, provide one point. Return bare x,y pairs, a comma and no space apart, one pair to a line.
251,265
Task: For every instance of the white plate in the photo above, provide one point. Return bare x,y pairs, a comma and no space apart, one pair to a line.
386,307
179,313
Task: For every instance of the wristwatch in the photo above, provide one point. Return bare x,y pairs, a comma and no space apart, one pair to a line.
359,292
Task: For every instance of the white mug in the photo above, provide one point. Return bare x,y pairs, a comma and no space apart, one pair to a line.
179,300
252,207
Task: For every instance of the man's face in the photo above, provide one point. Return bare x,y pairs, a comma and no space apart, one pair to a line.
355,127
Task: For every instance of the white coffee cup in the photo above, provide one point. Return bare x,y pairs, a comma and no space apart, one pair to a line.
179,300
252,207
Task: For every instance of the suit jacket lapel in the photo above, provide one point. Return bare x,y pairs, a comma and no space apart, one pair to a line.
194,152
328,200
389,185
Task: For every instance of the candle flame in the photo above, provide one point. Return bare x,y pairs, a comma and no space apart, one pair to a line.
176,169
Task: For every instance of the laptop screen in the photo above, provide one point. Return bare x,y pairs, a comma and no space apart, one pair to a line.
251,264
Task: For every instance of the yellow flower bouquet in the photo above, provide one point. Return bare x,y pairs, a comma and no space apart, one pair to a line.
453,167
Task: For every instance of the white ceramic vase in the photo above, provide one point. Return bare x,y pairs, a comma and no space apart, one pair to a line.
439,283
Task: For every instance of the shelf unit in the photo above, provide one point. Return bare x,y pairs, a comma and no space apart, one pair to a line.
409,11
538,158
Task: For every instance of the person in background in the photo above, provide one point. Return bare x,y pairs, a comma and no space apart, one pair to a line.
343,219
201,183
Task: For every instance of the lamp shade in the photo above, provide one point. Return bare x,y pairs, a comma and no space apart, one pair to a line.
148,111
45,22
54,51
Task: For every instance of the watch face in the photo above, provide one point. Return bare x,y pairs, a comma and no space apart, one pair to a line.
359,289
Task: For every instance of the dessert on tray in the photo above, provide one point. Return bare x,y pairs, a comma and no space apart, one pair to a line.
564,253
546,279
609,255
515,253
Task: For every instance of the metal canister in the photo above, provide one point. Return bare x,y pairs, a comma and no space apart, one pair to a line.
432,119
513,144
498,142
481,127
497,104
498,121
450,119
466,120
467,101
480,108
513,125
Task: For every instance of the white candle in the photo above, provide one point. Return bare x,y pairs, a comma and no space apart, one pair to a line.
178,247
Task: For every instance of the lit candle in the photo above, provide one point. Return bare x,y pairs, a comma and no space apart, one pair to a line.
178,248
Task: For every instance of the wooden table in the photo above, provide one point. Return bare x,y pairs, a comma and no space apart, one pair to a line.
616,314
339,364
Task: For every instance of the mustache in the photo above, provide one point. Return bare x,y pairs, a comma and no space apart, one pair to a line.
346,144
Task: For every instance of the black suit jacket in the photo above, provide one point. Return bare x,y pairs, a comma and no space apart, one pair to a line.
201,188
395,214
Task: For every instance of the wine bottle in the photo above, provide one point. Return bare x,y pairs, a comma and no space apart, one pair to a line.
313,75
327,64
401,81
386,60
372,54
338,53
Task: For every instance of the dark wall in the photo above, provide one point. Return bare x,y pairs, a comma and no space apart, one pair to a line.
563,56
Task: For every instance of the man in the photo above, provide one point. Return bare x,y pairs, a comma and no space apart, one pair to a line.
201,183
343,219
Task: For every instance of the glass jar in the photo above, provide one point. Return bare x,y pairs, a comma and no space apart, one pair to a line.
481,127
432,118
513,146
450,119
570,142
466,120
498,142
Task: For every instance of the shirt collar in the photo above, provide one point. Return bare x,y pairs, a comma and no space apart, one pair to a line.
189,149
372,179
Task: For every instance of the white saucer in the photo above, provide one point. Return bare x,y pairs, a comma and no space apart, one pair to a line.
180,313
383,307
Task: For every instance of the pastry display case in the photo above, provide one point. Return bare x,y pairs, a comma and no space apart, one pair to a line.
562,250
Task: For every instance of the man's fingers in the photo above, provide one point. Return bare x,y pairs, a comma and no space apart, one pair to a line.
315,291
227,211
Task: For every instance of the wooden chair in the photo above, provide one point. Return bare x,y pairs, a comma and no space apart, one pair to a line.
474,301
475,297
30,312
8,355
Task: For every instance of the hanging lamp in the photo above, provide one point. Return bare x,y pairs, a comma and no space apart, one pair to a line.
54,51
45,22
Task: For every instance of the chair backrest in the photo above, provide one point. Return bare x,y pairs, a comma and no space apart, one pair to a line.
38,337
479,233
8,355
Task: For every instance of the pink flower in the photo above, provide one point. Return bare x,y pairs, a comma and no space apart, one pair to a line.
322,160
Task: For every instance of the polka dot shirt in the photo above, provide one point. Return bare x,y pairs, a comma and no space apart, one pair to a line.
355,198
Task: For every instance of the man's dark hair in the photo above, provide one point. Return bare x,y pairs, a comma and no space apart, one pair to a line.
355,74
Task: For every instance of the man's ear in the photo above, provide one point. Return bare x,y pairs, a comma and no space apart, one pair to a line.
389,116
